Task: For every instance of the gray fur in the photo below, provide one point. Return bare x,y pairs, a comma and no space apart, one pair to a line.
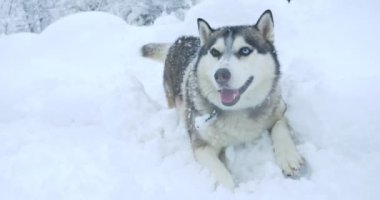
180,54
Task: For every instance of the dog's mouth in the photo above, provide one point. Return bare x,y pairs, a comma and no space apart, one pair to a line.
230,97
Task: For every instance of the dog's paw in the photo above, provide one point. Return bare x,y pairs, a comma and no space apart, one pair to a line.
291,163
226,181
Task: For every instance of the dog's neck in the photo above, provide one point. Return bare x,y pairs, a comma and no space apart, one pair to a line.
253,112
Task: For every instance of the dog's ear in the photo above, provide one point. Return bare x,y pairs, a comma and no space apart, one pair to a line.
204,30
265,25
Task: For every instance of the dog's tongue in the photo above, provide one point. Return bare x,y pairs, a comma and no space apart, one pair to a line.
228,96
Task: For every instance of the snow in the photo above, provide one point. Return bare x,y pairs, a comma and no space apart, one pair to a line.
83,116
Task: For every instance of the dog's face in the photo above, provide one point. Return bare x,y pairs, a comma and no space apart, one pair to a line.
237,66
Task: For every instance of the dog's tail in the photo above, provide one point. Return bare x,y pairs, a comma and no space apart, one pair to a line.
155,51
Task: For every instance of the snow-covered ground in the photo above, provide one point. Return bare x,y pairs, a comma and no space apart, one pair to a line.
83,116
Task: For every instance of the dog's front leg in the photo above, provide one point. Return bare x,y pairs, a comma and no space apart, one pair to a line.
208,156
285,151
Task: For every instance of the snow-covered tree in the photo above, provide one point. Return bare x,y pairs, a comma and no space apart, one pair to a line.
35,15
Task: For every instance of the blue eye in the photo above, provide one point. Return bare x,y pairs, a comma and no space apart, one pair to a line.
245,51
215,53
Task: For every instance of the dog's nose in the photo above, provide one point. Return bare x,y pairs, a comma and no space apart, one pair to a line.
222,76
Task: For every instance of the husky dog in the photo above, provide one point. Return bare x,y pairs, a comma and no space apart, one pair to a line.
225,85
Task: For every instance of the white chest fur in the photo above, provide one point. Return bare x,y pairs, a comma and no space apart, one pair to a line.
233,127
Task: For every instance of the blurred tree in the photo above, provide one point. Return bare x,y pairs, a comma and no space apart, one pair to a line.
35,15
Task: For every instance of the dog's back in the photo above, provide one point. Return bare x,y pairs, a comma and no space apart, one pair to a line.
177,58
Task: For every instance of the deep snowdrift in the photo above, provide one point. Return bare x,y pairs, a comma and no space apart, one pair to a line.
83,116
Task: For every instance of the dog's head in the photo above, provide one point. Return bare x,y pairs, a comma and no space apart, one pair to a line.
237,67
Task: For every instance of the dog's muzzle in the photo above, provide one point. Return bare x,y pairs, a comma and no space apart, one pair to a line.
222,76
230,97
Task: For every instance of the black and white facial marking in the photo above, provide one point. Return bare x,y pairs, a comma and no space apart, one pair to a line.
237,66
